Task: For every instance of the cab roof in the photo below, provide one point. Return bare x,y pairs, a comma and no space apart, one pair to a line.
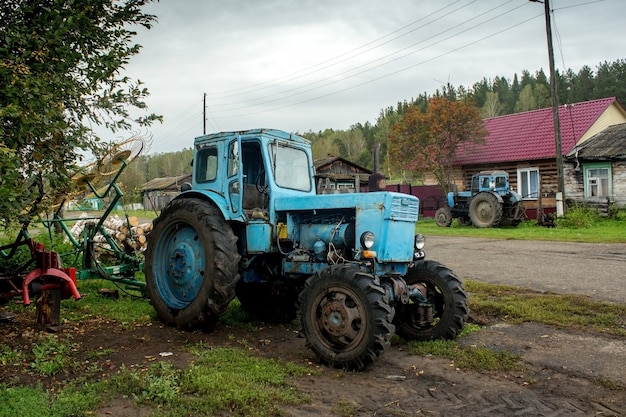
271,133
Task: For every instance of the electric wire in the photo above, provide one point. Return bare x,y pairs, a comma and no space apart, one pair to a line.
339,58
324,83
289,97
385,75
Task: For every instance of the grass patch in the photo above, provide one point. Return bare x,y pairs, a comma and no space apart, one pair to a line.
220,381
72,401
129,309
598,230
466,358
518,305
235,316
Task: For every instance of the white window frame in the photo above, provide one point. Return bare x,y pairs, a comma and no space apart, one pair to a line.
528,194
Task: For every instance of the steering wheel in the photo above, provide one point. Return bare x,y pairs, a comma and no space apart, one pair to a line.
260,183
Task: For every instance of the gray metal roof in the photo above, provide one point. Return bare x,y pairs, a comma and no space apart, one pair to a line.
165,182
608,144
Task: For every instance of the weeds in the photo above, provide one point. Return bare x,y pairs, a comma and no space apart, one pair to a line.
10,356
51,355
579,217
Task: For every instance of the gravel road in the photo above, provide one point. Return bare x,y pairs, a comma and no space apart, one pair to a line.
594,269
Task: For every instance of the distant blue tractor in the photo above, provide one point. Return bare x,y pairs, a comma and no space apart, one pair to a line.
251,225
489,203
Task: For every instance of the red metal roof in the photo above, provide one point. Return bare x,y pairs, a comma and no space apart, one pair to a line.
530,135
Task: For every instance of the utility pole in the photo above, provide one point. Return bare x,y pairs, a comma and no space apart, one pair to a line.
204,115
555,104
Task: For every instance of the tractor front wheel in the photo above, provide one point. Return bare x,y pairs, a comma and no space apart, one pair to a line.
346,317
443,217
191,264
445,299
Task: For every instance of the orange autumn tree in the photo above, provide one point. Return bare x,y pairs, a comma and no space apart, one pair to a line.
427,142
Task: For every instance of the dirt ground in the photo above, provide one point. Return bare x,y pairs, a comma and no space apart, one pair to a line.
563,372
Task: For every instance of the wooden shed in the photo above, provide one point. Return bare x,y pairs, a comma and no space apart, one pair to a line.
158,192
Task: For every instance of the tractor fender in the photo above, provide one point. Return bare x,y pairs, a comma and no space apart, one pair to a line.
514,197
450,198
213,198
498,197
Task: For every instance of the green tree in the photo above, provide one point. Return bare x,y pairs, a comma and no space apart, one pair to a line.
492,107
611,80
428,141
582,85
61,65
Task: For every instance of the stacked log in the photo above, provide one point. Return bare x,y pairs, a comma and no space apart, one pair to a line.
129,235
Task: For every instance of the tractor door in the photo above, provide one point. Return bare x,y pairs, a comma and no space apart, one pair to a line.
255,203
234,176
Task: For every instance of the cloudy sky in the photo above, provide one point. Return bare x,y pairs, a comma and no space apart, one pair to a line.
301,65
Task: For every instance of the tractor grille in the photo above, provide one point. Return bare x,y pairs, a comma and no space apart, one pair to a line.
404,209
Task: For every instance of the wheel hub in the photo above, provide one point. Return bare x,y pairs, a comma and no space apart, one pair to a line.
180,264
335,319
484,211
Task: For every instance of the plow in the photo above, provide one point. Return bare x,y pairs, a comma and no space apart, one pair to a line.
81,248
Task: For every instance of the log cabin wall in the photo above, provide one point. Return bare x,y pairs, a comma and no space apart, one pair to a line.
619,182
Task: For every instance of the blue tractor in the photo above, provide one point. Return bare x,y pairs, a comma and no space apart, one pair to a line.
251,226
490,202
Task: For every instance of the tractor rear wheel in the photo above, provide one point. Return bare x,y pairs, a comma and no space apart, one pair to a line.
443,216
346,317
191,264
448,302
485,210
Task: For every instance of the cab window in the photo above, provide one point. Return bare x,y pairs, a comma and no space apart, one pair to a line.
206,164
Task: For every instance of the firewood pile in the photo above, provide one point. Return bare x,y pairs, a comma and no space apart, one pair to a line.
129,235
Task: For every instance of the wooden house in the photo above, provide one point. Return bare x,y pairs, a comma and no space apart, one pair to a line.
158,192
335,174
523,145
597,168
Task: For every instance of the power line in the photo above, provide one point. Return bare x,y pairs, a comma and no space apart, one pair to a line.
307,88
339,58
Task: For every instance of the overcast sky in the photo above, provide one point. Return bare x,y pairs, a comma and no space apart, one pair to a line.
301,65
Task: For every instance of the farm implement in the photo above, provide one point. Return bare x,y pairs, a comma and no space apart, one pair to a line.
102,246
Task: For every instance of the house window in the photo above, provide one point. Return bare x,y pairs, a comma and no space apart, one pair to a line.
528,183
597,180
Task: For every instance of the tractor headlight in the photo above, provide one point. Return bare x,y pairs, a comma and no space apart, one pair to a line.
420,241
367,240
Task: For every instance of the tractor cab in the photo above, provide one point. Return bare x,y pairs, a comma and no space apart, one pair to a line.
497,181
